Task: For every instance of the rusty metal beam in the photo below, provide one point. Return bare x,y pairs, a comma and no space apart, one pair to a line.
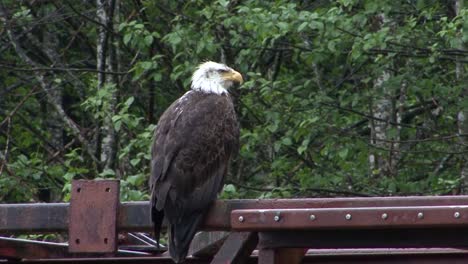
237,248
206,244
219,216
134,216
281,255
33,218
348,218
365,238
15,248
428,257
23,248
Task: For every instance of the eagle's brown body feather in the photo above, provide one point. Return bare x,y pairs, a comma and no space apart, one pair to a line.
194,141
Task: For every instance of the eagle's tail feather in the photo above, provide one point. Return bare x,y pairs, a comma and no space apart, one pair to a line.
181,234
157,218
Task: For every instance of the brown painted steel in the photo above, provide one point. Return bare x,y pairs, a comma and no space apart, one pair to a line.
207,243
428,257
418,259
16,248
281,255
33,218
365,238
22,248
348,218
237,248
218,218
134,216
93,216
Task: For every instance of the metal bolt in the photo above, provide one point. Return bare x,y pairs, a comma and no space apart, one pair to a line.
420,215
384,216
277,216
456,215
312,217
241,218
348,216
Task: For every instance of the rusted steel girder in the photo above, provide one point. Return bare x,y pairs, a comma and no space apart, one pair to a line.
22,248
281,255
15,248
134,216
206,244
365,238
237,248
429,257
350,218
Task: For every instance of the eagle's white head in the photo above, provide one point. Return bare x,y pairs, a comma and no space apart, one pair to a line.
212,77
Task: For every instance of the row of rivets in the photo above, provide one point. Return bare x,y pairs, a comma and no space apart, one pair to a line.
312,217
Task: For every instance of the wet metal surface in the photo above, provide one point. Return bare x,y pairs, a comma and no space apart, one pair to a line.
22,248
134,216
237,248
349,218
93,216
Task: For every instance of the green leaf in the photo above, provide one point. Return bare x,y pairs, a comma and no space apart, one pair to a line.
286,141
149,40
135,162
302,26
129,101
343,153
147,65
127,38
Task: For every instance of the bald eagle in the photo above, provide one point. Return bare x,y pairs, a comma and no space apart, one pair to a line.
194,140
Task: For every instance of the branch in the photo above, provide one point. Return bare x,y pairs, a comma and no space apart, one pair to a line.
7,145
14,68
320,190
46,87
8,117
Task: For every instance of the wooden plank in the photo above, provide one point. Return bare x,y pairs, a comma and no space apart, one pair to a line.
237,248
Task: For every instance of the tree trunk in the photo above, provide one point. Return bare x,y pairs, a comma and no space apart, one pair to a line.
382,112
106,61
54,122
462,115
384,136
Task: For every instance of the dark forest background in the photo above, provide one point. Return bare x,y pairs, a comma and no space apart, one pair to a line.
342,98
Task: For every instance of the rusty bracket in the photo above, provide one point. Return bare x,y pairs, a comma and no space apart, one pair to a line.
93,216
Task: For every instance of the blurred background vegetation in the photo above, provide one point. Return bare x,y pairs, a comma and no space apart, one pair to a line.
342,98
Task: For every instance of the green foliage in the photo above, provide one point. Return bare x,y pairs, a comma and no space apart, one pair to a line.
305,108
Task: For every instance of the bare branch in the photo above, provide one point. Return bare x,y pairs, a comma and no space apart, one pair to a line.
46,87
60,69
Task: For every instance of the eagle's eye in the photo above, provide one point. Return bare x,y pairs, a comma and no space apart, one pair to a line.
223,70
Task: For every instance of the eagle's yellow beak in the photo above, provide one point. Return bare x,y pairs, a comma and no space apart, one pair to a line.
233,76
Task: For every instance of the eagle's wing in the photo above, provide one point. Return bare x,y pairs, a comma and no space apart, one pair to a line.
193,144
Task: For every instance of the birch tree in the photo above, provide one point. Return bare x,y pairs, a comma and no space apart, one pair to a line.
106,61
462,115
